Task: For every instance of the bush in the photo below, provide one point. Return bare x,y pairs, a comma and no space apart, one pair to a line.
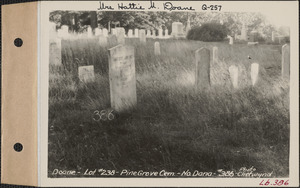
208,32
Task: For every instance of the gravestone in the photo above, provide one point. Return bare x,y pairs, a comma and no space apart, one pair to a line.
129,34
113,31
166,33
55,52
52,31
244,35
230,40
273,36
142,35
254,73
234,75
188,25
120,33
122,78
253,36
177,30
98,32
112,40
202,57
103,40
86,73
105,32
215,55
153,34
136,33
236,36
156,48
148,33
285,61
160,33
89,32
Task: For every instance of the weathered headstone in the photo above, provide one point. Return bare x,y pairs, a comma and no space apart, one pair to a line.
98,32
120,33
105,32
234,75
122,78
148,33
166,33
130,33
202,57
244,35
136,33
285,61
153,34
156,48
55,52
142,35
177,30
273,36
86,73
89,32
215,55
230,40
102,40
254,73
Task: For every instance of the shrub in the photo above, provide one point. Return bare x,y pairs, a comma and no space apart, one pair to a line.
208,32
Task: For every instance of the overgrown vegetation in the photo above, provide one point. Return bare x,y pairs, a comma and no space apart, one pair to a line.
174,127
208,32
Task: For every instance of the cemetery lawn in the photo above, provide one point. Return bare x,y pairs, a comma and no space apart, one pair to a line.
173,127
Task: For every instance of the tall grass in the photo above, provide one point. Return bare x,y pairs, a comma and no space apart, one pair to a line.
174,127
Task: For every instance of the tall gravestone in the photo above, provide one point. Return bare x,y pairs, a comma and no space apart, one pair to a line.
244,35
177,30
202,57
254,73
285,61
156,48
273,36
122,78
160,33
215,55
120,35
230,40
86,73
188,25
234,75
55,52
142,35
166,33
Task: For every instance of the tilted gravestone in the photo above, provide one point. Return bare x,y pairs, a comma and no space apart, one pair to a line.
254,73
55,52
156,48
202,57
285,61
86,73
122,78
215,55
234,75
142,35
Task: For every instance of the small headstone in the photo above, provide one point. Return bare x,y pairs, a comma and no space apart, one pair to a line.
285,61
234,75
129,34
89,32
113,31
105,32
122,78
136,33
166,33
98,32
142,35
102,40
254,73
202,57
55,52
86,73
177,30
153,34
230,40
215,55
235,36
156,48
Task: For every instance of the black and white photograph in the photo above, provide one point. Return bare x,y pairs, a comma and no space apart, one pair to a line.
170,93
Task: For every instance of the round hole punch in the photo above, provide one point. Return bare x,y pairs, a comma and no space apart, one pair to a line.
18,147
18,42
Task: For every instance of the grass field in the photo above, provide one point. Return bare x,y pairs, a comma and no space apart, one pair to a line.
174,127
